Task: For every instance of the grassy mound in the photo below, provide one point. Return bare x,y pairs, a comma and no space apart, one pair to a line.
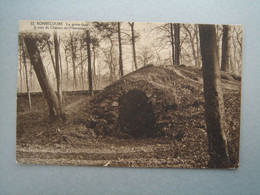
173,101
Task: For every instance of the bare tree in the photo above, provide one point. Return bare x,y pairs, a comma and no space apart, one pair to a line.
111,60
237,44
219,35
226,46
41,74
165,39
50,52
73,59
198,57
66,52
177,43
89,63
20,64
31,77
146,56
95,45
121,69
81,61
214,103
172,43
61,71
58,72
26,77
106,31
133,38
194,42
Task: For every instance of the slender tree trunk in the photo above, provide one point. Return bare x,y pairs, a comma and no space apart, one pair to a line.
94,67
27,80
172,43
232,61
82,66
98,76
111,66
52,59
192,44
54,63
133,43
235,51
58,74
73,61
121,71
67,64
21,68
61,69
31,76
196,31
226,44
177,43
218,38
214,103
89,64
41,74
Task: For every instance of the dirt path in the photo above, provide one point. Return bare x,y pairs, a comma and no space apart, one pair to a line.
127,153
75,106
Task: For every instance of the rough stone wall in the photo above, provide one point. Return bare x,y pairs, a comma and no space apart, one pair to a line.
165,90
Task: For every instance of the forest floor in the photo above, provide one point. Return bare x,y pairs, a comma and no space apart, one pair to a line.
41,140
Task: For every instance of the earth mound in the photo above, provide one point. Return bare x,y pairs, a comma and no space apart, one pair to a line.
151,101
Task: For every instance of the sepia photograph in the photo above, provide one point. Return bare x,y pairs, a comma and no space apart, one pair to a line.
128,94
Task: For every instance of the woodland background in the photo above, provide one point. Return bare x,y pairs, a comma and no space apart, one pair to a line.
141,44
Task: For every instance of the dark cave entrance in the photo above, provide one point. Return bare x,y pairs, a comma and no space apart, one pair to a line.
136,115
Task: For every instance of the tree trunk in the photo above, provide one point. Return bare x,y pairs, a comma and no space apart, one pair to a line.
31,77
192,45
133,43
21,67
52,59
61,71
226,45
67,64
177,43
111,65
121,71
234,56
41,74
214,103
82,66
172,44
99,73
27,79
89,64
73,58
94,67
58,74
219,40
198,46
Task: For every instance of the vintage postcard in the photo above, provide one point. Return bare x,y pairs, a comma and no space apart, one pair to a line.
128,94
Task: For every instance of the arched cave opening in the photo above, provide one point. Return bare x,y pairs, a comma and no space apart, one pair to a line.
136,115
